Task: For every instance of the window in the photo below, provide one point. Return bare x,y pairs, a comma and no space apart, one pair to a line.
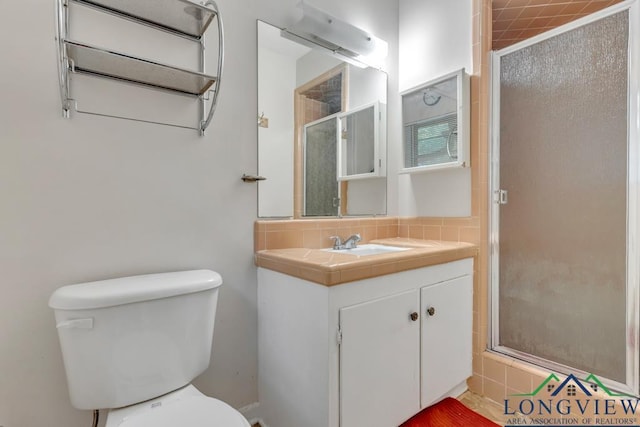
432,142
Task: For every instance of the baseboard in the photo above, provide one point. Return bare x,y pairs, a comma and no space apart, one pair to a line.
455,392
252,413
459,390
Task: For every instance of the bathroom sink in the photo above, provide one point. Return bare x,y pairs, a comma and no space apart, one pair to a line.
368,249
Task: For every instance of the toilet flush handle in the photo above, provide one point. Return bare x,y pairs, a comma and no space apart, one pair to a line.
76,324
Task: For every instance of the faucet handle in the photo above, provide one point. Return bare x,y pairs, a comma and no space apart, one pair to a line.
337,242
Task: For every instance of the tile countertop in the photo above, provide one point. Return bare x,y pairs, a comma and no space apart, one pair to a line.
331,269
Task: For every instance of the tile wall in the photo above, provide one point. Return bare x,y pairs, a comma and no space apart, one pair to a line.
494,376
315,233
517,20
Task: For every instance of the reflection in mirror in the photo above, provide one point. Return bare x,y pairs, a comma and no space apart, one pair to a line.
321,134
435,118
357,157
321,192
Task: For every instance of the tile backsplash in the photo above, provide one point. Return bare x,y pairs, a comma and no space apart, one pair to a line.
450,229
316,233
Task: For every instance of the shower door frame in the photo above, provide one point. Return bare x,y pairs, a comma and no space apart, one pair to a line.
632,384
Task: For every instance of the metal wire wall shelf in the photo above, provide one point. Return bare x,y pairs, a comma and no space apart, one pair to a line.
182,18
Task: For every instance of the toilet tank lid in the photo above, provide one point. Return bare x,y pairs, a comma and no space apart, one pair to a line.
126,290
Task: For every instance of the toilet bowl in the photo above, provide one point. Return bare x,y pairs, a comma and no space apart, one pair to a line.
186,407
134,344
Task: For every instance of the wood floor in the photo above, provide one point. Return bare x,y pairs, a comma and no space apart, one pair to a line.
479,404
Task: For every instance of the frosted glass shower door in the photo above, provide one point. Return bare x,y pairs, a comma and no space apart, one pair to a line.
560,258
322,192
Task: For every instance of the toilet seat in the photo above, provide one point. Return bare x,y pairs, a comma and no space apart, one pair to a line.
192,411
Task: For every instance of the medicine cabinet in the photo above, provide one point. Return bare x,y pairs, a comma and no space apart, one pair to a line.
435,119
181,18
358,145
354,138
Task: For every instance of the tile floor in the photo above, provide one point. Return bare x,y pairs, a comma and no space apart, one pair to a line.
485,407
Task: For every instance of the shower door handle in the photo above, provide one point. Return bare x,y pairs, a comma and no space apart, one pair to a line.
502,197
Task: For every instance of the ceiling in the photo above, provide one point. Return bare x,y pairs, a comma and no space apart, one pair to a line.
517,20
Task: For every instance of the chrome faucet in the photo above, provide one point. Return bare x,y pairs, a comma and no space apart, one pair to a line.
350,243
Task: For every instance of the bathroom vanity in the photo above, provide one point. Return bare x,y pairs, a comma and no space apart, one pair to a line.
364,340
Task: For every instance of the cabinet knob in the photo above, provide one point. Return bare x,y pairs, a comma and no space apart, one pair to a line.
414,316
431,311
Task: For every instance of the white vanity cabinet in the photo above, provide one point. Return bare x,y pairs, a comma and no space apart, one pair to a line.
446,336
379,361
363,353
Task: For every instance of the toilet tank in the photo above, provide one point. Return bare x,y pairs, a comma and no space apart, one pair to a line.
131,339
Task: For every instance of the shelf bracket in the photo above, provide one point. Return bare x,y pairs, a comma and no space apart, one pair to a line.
62,28
214,100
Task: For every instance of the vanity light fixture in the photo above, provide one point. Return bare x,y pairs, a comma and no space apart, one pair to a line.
345,41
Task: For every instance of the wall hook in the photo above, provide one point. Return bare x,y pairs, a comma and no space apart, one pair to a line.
263,122
252,178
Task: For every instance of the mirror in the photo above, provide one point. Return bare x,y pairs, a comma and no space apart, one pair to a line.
321,131
435,119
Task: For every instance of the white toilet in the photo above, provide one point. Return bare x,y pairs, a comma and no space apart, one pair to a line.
136,343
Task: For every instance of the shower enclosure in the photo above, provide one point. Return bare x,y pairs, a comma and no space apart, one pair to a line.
564,227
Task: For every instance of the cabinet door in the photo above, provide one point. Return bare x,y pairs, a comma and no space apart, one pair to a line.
379,362
446,310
